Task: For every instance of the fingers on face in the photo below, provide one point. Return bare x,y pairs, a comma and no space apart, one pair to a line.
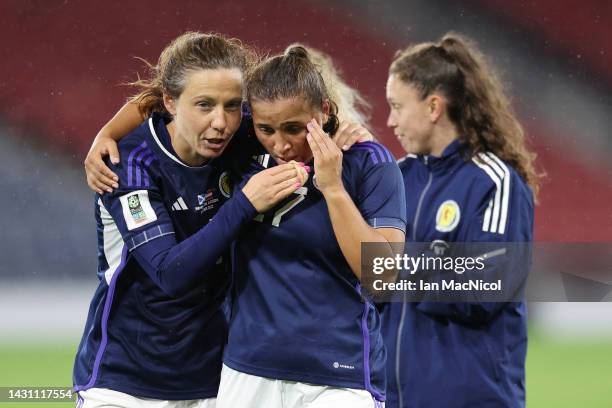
318,140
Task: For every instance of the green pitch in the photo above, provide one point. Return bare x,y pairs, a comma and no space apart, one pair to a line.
36,366
559,374
569,374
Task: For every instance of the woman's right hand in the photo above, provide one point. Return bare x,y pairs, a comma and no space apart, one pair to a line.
266,188
99,177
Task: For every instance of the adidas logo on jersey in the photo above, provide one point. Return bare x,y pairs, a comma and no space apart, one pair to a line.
179,205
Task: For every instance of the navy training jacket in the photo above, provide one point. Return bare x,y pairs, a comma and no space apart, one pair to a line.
452,355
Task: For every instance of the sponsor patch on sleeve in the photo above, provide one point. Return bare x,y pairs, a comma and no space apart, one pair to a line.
137,210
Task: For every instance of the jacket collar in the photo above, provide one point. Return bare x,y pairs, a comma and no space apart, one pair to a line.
450,155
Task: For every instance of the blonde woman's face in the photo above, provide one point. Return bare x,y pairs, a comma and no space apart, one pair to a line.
206,114
409,117
280,126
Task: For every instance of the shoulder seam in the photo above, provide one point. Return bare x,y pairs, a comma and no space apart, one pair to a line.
377,152
138,161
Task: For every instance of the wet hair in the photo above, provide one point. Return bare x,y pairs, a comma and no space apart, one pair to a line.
475,98
292,74
191,51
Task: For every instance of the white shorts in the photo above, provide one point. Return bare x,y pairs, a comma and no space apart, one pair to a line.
241,390
105,398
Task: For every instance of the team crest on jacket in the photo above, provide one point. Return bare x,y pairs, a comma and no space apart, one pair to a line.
225,185
448,216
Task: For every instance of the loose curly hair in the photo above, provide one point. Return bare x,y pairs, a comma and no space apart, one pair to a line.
476,101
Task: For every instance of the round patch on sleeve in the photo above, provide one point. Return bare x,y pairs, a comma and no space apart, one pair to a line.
448,216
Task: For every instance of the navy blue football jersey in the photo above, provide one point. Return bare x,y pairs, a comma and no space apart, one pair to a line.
150,331
298,312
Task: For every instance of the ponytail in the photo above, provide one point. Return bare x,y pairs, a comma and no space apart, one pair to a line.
476,101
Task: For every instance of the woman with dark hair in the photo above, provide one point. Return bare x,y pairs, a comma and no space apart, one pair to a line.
302,332
469,177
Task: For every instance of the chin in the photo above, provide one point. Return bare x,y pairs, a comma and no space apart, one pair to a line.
211,154
412,148
409,148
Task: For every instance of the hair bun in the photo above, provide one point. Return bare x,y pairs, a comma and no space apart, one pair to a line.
296,51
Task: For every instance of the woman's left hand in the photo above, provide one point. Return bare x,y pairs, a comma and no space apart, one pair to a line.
327,159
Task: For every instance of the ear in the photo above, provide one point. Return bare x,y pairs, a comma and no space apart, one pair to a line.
436,107
326,109
170,104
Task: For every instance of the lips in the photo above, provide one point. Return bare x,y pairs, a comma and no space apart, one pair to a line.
215,143
283,160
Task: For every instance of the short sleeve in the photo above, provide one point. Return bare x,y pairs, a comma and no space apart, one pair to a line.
380,191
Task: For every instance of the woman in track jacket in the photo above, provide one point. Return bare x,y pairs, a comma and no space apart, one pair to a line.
468,178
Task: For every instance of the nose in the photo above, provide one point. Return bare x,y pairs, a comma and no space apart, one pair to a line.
391,120
219,122
281,144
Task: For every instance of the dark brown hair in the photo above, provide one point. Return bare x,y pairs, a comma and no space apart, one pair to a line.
290,75
476,101
189,52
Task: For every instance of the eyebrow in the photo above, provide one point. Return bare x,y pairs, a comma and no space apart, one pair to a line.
206,98
203,98
293,123
283,124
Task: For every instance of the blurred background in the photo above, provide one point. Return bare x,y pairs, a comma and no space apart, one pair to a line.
63,63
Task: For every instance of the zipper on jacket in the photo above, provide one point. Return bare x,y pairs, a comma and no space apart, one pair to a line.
400,327
418,210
